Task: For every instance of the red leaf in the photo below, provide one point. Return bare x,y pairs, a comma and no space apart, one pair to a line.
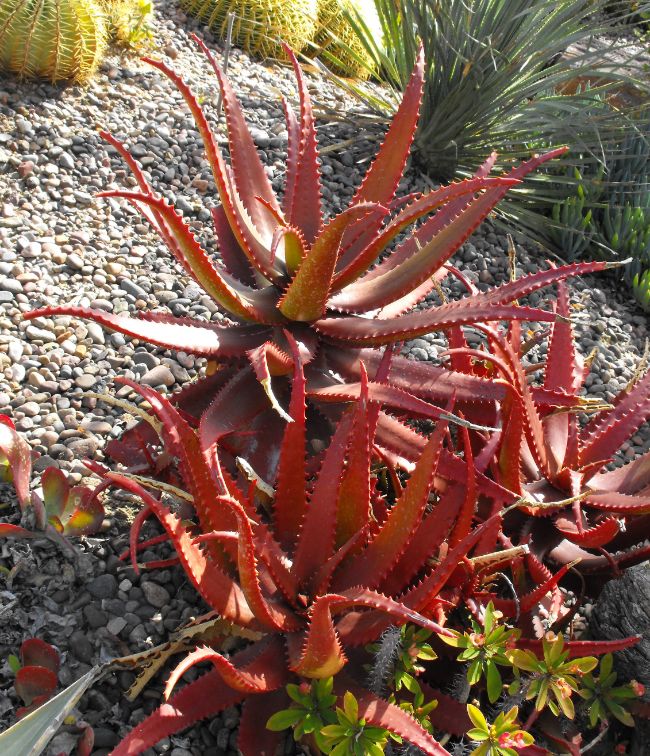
194,337
290,501
254,739
19,456
35,652
306,296
260,675
303,200
247,168
379,558
202,698
380,713
34,682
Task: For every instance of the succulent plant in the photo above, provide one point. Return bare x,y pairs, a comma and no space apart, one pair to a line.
53,39
318,567
259,26
284,268
336,40
61,511
130,21
571,505
36,676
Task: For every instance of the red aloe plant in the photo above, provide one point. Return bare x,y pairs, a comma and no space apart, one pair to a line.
284,267
61,511
570,506
320,566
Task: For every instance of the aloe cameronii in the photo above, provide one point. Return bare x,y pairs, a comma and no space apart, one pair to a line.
570,507
284,267
319,567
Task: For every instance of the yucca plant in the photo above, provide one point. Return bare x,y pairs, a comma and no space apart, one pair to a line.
509,75
317,567
285,269
259,26
53,39
571,507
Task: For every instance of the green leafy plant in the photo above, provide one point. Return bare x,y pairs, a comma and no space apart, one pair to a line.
259,26
130,21
603,699
53,39
503,738
485,649
61,511
553,679
351,734
284,269
311,709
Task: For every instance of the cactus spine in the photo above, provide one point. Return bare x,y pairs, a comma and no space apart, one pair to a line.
259,25
336,40
54,39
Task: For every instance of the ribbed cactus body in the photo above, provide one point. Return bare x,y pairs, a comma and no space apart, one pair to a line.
334,35
259,26
54,39
129,21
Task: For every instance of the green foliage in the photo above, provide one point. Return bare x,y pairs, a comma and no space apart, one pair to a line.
412,646
555,674
604,699
53,39
485,649
499,738
351,734
130,21
311,710
608,212
260,26
494,73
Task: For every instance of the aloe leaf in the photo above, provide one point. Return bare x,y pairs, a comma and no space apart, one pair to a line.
193,336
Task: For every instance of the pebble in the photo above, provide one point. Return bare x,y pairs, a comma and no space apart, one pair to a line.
74,261
155,594
160,375
103,586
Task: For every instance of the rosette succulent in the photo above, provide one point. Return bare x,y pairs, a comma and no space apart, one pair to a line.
332,284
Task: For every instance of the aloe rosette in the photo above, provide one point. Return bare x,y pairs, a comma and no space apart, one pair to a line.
572,507
284,268
318,567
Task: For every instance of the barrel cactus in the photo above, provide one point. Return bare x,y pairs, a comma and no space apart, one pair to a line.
129,21
54,39
259,26
336,40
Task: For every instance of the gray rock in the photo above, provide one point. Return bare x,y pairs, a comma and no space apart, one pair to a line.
155,594
103,586
623,609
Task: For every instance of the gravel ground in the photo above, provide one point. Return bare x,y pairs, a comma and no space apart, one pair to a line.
58,244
